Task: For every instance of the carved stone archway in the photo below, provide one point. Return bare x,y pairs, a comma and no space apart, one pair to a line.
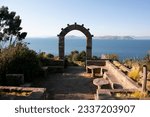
84,31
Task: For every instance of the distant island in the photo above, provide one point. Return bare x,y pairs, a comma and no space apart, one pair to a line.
114,37
104,37
109,37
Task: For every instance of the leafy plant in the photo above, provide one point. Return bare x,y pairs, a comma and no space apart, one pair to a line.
10,29
76,56
45,59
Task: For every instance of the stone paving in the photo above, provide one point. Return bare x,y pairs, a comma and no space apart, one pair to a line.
73,84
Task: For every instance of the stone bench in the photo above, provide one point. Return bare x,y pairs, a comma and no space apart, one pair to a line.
100,82
93,68
113,81
123,79
22,93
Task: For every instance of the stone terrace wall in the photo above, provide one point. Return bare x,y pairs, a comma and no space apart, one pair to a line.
36,93
124,80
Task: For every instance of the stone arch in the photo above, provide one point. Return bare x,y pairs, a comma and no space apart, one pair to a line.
78,27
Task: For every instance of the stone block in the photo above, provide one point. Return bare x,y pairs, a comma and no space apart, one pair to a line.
22,93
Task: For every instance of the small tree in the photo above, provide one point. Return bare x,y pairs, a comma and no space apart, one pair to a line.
82,56
10,30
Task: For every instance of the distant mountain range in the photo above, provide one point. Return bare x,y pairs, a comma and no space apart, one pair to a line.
104,37
109,37
141,37
115,37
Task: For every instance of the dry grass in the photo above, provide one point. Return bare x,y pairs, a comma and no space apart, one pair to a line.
134,74
137,95
15,93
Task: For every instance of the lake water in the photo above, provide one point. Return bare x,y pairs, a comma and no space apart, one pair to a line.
124,48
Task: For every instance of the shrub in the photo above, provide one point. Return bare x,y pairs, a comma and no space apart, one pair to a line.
50,55
95,58
45,59
76,56
111,56
134,73
19,60
139,94
128,63
82,56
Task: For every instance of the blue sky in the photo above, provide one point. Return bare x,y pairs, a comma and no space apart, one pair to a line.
44,18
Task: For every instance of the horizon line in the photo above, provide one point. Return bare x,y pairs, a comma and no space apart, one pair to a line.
85,36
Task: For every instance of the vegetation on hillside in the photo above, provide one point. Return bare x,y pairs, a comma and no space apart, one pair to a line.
136,67
78,58
111,56
45,59
19,59
15,56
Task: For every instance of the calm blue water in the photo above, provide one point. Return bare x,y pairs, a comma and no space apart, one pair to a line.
124,48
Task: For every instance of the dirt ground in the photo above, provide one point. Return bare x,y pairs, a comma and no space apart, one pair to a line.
73,84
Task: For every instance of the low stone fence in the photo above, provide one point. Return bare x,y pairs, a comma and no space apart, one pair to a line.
22,93
124,80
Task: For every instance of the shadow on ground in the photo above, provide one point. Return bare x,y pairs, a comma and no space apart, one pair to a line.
73,84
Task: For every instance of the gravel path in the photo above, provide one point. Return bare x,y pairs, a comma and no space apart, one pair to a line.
73,84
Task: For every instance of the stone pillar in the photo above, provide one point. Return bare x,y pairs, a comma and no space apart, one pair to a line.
93,73
101,71
89,48
144,78
61,47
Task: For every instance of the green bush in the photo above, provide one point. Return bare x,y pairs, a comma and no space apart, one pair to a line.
95,58
19,60
45,59
76,56
82,56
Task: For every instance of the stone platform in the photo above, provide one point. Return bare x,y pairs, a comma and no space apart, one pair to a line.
22,93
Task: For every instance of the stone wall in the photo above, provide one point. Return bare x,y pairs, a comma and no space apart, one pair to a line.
124,80
19,93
